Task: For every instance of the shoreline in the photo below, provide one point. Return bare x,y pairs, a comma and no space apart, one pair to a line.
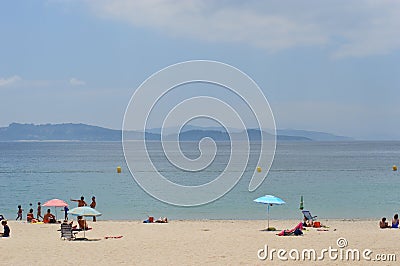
189,242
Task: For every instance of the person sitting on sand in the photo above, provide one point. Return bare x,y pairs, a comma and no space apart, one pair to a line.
29,216
307,222
383,224
73,227
6,231
162,220
49,218
66,222
395,221
149,220
82,224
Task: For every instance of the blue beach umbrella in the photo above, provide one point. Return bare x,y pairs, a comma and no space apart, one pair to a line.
270,200
84,211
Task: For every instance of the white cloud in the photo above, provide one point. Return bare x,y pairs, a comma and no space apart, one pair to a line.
8,81
76,82
347,28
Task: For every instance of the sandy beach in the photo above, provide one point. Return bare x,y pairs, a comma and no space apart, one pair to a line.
211,242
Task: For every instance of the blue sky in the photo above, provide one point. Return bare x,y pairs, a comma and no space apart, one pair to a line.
323,65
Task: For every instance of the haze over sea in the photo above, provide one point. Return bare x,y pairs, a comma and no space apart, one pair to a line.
337,179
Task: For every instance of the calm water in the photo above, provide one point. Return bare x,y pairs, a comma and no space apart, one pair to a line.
337,179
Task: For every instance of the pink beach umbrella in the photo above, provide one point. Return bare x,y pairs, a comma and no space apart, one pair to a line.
55,203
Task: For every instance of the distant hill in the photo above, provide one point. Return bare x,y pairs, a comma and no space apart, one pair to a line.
314,135
68,131
253,135
83,132
172,130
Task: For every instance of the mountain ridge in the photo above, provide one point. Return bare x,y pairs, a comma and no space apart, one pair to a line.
84,132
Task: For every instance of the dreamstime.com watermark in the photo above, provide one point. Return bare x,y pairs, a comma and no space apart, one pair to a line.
342,253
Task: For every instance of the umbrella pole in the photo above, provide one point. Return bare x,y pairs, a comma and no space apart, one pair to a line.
302,208
268,217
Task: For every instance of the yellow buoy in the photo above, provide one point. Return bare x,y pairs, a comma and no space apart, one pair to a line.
119,170
394,168
259,169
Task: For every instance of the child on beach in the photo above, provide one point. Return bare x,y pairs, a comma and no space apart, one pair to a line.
39,211
65,213
6,231
19,213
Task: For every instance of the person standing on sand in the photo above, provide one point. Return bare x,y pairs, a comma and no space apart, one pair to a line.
65,213
39,211
93,206
81,202
19,213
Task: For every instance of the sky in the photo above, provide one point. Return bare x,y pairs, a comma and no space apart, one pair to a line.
331,66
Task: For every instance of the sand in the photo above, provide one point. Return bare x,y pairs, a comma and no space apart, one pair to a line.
208,242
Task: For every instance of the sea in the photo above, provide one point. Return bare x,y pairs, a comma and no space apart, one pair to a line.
343,180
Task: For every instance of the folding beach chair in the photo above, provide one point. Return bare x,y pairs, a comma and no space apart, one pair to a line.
308,215
67,232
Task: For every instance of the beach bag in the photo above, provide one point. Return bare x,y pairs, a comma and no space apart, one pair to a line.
317,224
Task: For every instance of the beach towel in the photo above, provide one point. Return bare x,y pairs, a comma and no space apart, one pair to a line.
115,237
